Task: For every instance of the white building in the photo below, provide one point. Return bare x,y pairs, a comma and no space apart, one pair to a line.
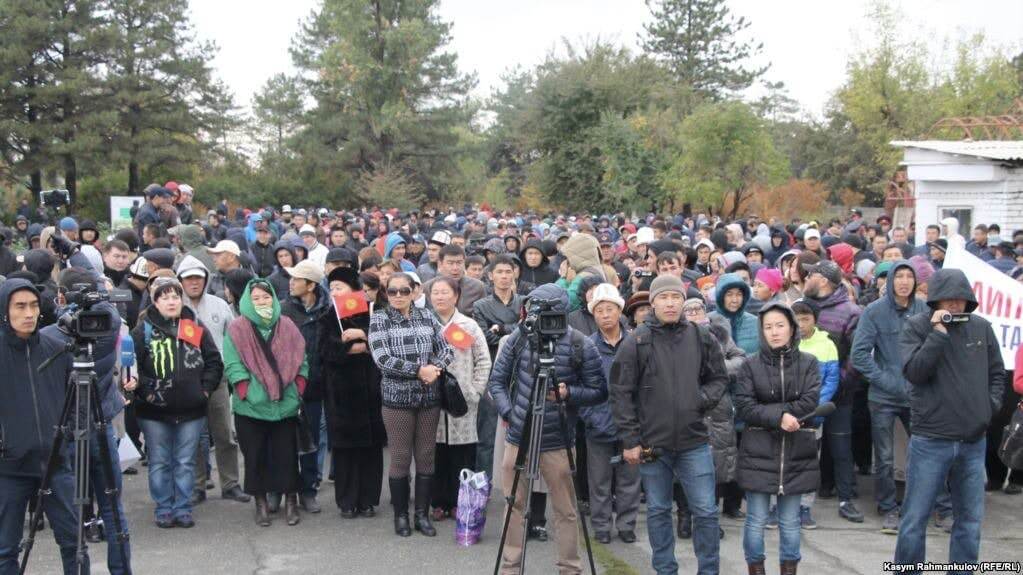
974,181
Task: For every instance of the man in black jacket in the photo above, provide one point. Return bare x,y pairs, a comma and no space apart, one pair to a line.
666,375
30,410
497,315
953,363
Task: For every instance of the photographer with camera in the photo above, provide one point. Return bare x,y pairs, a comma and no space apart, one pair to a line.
953,364
581,383
74,283
30,409
666,375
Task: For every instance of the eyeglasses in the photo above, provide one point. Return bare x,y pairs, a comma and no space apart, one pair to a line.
691,311
403,292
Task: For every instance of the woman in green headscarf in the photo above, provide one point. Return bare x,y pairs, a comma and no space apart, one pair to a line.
264,361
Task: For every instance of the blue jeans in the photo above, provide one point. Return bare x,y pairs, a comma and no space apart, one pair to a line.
309,464
171,451
882,429
930,462
486,430
114,563
838,433
694,470
757,509
15,493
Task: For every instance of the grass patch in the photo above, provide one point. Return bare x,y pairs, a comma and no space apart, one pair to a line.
609,563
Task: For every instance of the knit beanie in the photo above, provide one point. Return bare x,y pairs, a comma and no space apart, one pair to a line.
666,283
922,268
771,277
605,292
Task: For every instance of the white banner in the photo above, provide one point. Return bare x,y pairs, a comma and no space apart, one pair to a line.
999,299
120,211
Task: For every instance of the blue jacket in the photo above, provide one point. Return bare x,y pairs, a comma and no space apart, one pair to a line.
32,400
875,350
104,353
745,330
600,424
511,381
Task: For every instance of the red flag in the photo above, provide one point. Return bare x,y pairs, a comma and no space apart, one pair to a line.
458,337
350,304
190,332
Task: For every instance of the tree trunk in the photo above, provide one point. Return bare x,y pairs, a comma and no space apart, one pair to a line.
71,177
133,178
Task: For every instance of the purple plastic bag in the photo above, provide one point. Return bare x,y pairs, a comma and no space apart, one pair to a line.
471,515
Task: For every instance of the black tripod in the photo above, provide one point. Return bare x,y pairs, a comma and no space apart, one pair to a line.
80,416
528,457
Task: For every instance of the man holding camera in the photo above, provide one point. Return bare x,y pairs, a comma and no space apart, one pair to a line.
953,363
580,383
111,403
28,414
666,375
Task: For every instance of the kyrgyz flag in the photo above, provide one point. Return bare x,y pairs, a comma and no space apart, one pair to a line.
189,332
350,304
457,337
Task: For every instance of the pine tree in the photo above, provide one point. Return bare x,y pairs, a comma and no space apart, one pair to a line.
386,92
697,40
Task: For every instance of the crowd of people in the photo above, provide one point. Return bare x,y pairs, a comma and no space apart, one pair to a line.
698,350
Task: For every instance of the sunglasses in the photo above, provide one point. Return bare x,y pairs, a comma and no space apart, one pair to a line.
404,292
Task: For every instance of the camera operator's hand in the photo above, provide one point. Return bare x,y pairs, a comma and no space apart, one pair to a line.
789,422
562,391
633,456
63,246
936,320
130,384
429,374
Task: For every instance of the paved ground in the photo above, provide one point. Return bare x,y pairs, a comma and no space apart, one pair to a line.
225,540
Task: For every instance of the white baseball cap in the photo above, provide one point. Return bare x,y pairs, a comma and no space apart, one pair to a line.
225,246
307,229
286,209
811,233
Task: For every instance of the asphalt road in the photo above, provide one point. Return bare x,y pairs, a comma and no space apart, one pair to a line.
226,540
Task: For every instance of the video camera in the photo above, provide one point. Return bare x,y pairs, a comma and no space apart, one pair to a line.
55,198
542,320
81,321
949,318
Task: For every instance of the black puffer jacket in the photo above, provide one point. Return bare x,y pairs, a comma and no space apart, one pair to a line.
511,380
770,384
175,379
540,275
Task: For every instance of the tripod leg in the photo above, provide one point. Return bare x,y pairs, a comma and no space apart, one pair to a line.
110,483
520,458
52,464
563,421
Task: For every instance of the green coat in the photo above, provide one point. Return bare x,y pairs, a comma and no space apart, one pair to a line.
257,404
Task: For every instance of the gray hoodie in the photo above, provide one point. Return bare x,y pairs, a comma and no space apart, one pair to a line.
212,311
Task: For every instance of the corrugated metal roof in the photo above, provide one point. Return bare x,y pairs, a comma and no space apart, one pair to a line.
1006,150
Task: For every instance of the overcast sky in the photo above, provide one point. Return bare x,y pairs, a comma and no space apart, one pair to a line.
807,42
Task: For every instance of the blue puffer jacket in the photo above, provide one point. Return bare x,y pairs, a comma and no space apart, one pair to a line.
511,381
600,424
875,349
744,325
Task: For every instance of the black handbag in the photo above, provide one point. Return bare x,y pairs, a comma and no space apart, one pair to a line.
452,400
1010,451
304,436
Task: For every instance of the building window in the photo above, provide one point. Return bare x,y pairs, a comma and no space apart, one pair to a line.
964,215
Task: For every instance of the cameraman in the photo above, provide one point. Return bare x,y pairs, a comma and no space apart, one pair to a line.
111,403
956,378
668,373
30,409
580,383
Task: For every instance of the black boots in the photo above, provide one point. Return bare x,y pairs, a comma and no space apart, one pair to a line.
291,508
262,511
757,569
789,567
684,530
423,523
399,500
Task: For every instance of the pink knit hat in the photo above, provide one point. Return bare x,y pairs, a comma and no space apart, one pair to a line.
771,278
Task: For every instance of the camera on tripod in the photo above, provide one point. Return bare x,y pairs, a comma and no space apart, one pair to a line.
55,198
542,320
83,322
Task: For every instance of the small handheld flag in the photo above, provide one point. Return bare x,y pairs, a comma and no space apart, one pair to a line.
189,332
350,304
458,337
